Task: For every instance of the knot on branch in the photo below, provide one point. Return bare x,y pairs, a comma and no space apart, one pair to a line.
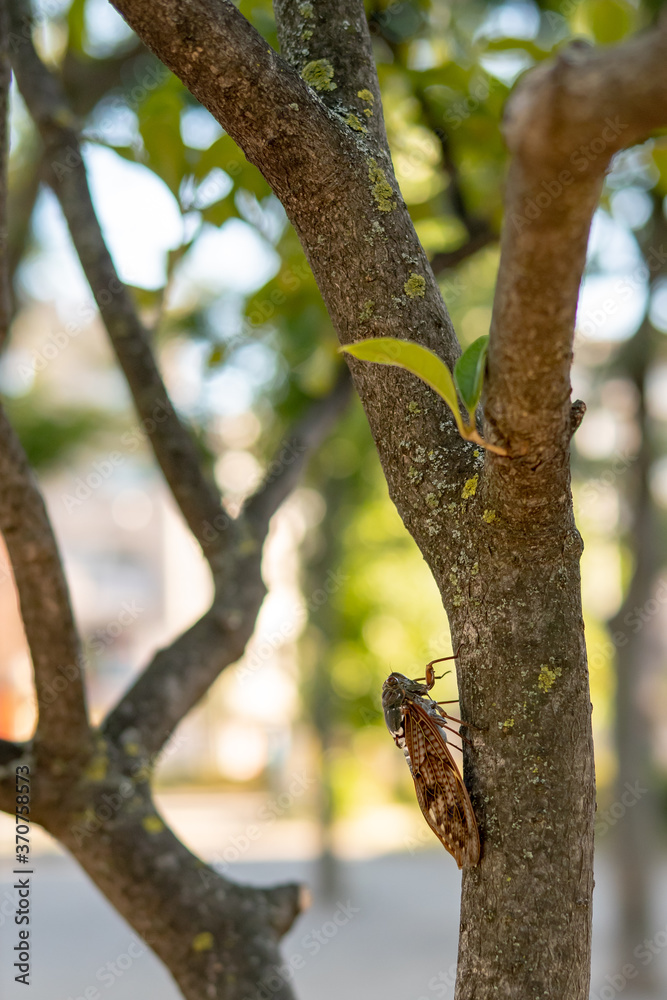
577,412
285,903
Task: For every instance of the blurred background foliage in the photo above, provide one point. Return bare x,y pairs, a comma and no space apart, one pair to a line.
246,344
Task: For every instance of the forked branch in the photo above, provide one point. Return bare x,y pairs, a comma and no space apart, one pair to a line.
563,125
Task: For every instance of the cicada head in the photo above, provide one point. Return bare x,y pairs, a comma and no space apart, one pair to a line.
396,691
393,697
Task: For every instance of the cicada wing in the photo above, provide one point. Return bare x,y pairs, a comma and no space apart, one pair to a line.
441,794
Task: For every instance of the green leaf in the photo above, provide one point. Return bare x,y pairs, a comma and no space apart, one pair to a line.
469,374
414,358
159,124
76,23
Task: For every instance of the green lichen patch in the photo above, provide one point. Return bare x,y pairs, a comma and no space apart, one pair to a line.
307,34
152,824
506,726
319,74
414,475
366,310
97,767
367,96
413,407
548,677
489,516
306,10
381,188
415,286
355,123
470,487
202,942
432,501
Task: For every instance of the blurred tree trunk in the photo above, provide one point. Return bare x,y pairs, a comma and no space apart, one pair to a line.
326,625
634,636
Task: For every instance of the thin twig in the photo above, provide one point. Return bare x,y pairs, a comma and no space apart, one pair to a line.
174,447
182,673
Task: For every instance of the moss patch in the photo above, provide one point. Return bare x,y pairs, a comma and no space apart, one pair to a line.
97,767
319,74
381,188
152,824
415,286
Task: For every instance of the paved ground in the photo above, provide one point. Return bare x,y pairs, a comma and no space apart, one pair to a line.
398,942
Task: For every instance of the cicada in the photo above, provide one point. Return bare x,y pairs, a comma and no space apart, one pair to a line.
418,724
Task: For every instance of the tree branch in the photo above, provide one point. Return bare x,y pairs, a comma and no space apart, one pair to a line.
62,728
180,675
563,125
177,455
447,259
287,466
339,191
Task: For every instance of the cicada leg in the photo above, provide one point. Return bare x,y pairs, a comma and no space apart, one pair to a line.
430,677
464,739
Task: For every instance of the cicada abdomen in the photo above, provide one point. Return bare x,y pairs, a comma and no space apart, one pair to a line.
416,723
